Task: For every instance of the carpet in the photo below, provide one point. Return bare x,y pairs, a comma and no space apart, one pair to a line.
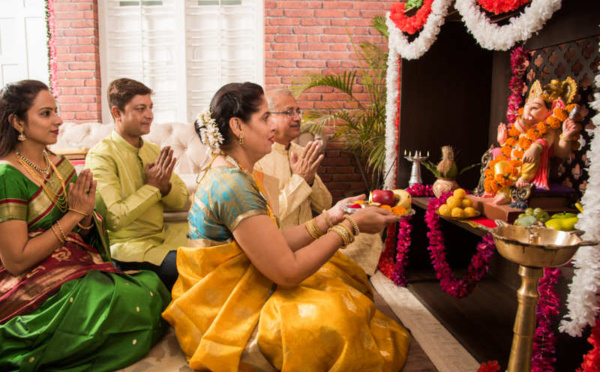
444,351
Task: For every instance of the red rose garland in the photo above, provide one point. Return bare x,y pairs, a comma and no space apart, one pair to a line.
591,362
394,268
502,6
479,262
489,367
412,24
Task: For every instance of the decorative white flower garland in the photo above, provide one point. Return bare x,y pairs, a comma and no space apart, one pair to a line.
209,132
583,301
521,27
415,49
391,110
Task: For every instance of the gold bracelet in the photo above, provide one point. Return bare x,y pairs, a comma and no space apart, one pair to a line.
327,218
355,229
57,236
561,137
61,231
79,212
86,228
313,229
344,233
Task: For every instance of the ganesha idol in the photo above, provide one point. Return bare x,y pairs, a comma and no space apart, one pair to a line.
543,129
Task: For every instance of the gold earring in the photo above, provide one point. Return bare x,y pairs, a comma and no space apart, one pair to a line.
21,135
241,138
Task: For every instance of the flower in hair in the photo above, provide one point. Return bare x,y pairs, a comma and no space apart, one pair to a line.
209,131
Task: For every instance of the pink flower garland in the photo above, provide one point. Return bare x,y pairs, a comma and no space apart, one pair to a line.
591,362
479,262
394,269
547,311
519,59
52,60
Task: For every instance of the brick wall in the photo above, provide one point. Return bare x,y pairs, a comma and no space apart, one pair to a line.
303,37
78,73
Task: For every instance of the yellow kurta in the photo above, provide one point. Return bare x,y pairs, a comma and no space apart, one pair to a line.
132,209
222,305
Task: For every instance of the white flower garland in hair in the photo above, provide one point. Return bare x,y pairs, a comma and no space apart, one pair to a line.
521,27
209,132
391,110
583,301
415,49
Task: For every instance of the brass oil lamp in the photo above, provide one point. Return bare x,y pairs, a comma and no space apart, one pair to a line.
532,248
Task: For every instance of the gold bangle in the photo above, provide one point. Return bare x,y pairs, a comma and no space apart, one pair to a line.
61,231
79,212
355,229
344,233
86,228
57,236
313,229
327,218
561,137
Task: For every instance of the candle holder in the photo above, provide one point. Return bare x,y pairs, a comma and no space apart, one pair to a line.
416,159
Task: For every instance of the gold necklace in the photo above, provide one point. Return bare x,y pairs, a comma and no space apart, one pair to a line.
60,201
33,165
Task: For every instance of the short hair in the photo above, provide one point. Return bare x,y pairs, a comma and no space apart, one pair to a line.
273,95
121,91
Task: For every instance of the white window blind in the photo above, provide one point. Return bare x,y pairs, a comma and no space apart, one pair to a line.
23,41
185,50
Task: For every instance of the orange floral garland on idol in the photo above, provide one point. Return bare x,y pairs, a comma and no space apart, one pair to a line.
514,148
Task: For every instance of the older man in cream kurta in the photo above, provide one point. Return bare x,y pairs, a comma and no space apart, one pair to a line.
301,190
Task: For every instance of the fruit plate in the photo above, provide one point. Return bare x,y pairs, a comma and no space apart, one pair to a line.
459,218
349,210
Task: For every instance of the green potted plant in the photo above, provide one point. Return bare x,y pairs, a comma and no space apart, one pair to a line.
361,128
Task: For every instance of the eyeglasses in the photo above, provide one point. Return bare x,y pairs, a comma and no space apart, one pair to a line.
289,113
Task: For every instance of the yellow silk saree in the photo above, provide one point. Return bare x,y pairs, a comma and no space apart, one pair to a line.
229,317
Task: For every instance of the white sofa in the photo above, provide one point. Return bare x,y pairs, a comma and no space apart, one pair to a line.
74,140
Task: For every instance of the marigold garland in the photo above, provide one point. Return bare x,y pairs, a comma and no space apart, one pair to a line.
413,24
502,6
492,366
591,361
547,312
52,58
514,148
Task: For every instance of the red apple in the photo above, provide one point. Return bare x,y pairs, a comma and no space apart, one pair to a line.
383,197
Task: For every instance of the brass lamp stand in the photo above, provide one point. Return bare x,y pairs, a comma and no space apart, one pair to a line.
533,248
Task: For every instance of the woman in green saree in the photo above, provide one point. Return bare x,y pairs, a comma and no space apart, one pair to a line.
63,304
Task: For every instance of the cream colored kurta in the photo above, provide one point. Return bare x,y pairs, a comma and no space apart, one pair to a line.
297,198
134,210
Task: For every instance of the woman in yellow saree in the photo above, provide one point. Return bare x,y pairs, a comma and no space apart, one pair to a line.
252,298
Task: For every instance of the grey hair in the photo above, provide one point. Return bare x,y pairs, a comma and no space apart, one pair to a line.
273,95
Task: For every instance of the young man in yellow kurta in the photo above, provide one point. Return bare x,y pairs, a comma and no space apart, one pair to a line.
301,190
135,182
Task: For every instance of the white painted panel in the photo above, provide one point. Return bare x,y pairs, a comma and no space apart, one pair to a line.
23,41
